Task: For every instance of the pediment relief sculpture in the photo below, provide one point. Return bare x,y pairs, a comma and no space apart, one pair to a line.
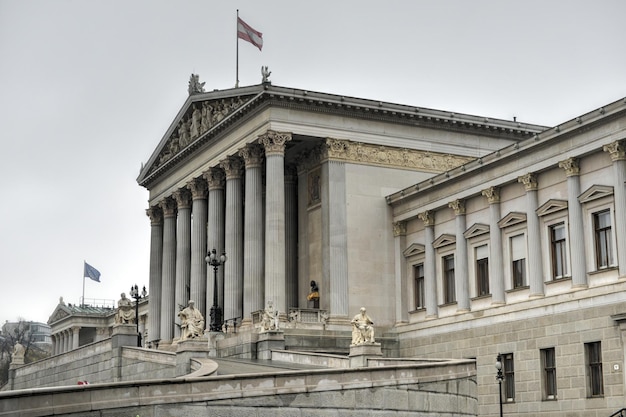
198,120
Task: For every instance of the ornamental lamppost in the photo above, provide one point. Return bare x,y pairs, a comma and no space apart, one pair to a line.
134,292
216,311
500,378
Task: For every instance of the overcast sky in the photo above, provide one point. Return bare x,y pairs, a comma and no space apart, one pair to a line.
88,89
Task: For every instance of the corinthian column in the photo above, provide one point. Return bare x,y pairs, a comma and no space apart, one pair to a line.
291,237
156,266
168,286
215,234
233,269
183,252
430,279
198,280
576,227
496,265
461,262
535,269
253,262
274,144
617,150
399,241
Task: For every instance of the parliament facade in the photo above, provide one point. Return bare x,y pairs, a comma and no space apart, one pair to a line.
465,237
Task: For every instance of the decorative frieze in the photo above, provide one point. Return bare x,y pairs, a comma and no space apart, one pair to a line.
356,152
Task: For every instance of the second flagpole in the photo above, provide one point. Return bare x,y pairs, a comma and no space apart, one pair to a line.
237,59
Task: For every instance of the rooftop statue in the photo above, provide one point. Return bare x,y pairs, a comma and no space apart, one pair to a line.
192,322
362,328
195,86
265,74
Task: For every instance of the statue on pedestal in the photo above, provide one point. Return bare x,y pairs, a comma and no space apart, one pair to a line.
314,295
192,322
270,320
125,313
362,328
17,357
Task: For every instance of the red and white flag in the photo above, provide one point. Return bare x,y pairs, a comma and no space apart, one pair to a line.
245,32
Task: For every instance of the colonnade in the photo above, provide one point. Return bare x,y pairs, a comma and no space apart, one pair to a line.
65,340
227,208
535,252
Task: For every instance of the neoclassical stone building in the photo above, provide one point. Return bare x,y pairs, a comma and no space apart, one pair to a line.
291,184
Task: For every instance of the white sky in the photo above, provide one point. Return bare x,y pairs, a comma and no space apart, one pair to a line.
88,88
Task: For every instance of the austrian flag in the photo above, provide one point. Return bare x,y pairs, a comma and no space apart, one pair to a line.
245,32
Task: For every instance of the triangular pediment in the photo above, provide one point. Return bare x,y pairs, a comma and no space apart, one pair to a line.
476,229
594,192
444,240
414,249
551,206
514,217
60,312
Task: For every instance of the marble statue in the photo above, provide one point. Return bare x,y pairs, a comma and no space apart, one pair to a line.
265,74
270,320
362,328
125,313
17,357
195,86
192,322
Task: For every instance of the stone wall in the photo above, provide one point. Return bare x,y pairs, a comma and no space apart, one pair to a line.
444,390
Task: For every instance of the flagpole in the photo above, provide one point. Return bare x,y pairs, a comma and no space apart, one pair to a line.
82,304
237,59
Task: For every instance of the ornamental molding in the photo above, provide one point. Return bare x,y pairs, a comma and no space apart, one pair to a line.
571,167
492,194
385,156
595,192
399,228
511,219
477,229
529,180
414,250
617,150
551,206
444,240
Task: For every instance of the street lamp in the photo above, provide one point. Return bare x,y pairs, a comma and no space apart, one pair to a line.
216,311
134,292
500,378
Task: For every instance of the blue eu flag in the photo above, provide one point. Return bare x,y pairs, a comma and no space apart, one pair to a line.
91,272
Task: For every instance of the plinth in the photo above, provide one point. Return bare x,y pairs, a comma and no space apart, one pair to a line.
188,349
359,354
268,341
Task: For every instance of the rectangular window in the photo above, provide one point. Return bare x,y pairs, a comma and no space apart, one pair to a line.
509,377
548,363
418,286
558,250
448,280
482,270
603,237
593,358
518,258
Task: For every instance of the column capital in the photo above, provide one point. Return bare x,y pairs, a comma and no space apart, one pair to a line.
155,214
529,180
252,155
571,167
215,178
458,206
183,198
233,167
617,150
492,194
168,205
274,142
399,228
428,217
198,188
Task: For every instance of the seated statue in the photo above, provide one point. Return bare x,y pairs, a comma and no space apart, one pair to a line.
362,328
17,357
125,313
270,320
192,322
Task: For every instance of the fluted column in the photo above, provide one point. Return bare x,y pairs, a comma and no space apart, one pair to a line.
399,243
461,279
156,266
183,253
576,226
75,337
496,264
274,145
168,286
253,261
291,237
215,234
535,262
66,341
303,239
617,150
198,267
233,269
430,270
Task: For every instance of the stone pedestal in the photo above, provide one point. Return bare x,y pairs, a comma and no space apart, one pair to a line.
124,335
359,354
213,339
188,349
268,341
